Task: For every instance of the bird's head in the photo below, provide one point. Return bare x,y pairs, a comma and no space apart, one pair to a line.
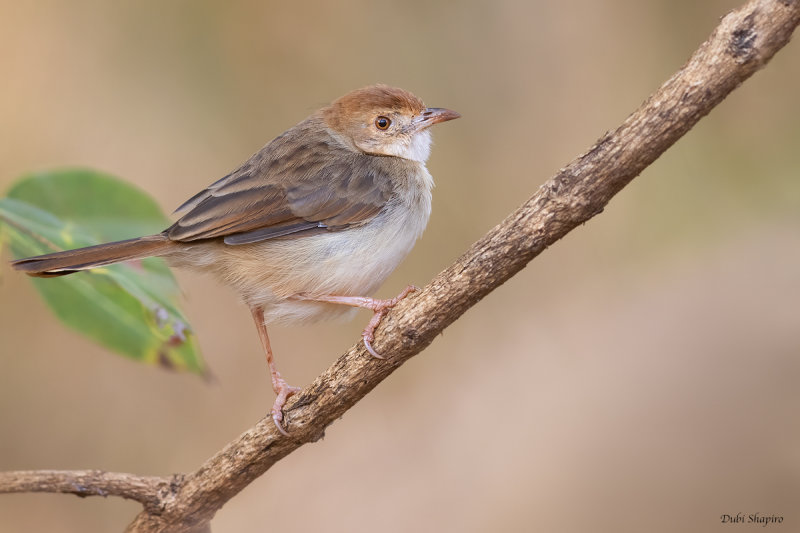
383,120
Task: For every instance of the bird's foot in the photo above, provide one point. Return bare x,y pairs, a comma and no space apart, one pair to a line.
282,393
379,307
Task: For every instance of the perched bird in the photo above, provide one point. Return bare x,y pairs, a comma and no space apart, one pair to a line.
313,222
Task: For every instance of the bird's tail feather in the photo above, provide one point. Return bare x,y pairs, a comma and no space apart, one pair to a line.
67,262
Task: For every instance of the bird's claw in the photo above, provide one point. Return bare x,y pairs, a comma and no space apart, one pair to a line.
381,307
276,417
283,391
370,349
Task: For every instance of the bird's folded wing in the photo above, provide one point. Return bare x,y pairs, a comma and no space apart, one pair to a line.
299,193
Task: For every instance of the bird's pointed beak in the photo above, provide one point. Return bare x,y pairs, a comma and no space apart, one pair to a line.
434,115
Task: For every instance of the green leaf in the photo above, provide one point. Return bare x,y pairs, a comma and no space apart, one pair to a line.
131,308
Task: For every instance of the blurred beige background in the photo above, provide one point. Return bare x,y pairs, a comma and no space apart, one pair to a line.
640,375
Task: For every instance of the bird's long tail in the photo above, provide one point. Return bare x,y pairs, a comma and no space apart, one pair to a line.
63,263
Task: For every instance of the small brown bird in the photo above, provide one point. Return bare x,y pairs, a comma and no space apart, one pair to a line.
313,222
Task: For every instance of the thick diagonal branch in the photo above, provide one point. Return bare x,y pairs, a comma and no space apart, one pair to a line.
742,43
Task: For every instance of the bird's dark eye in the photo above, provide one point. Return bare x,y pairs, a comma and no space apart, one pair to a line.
383,123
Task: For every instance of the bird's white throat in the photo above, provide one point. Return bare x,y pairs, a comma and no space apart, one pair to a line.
415,148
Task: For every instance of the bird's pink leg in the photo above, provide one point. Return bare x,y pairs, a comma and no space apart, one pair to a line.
379,307
282,389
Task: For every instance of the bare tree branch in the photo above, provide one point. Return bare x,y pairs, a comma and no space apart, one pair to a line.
742,43
143,489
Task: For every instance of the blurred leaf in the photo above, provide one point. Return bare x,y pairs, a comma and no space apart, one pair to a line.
130,308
